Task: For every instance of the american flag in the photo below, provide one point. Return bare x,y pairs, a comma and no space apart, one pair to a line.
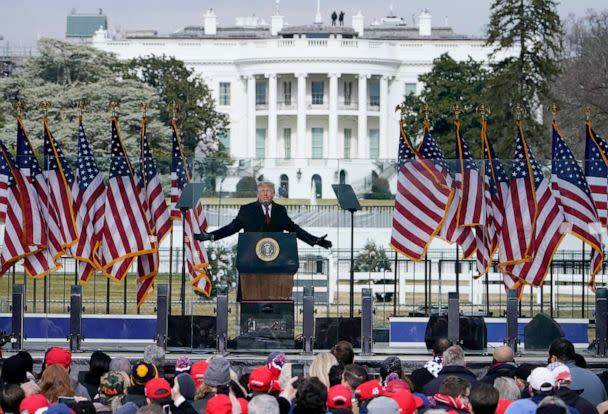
471,208
422,197
531,207
159,219
574,198
89,194
196,255
125,233
496,187
18,210
60,180
45,229
596,171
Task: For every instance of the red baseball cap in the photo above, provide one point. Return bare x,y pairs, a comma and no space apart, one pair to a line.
260,379
339,396
368,389
407,401
220,404
198,372
397,385
157,388
34,403
60,356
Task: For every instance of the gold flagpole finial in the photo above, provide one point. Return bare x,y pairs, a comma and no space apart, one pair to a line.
457,110
426,110
45,107
19,107
174,110
144,108
484,111
80,109
114,105
553,110
402,109
587,112
518,109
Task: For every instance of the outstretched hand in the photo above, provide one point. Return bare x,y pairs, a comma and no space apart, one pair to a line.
321,241
203,236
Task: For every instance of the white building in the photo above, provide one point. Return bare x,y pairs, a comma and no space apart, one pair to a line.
314,104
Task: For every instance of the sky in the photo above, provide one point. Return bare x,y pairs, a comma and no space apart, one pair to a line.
23,22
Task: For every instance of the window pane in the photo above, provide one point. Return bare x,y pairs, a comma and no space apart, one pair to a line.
374,93
224,138
287,141
410,89
287,93
347,139
374,144
260,142
317,92
348,92
317,142
260,92
225,93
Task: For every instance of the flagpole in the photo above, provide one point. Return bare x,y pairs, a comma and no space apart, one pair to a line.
457,270
170,269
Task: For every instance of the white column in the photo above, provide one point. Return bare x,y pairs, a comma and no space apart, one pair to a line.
272,116
362,134
333,116
301,121
251,116
383,118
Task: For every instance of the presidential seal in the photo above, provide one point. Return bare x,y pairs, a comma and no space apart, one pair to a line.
267,249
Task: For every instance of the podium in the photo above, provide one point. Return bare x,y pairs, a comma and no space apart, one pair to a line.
266,263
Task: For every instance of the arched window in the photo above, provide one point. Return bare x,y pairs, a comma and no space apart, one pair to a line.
342,177
317,186
284,186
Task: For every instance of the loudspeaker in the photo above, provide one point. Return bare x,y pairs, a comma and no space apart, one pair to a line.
267,320
540,332
473,331
191,331
328,331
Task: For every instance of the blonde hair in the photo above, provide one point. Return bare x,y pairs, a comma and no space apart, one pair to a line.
321,365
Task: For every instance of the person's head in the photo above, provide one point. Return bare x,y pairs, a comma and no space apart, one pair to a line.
456,387
521,374
99,363
503,353
483,399
184,385
55,382
561,350
27,359
541,381
263,404
353,376
265,192
454,355
58,356
260,380
552,405
120,364
311,396
383,405
113,384
344,353
154,354
561,374
14,370
197,371
158,391
10,398
335,375
391,365
368,390
142,372
320,366
440,345
85,407
507,389
150,409
219,404
34,404
218,372
580,360
30,388
183,365
339,396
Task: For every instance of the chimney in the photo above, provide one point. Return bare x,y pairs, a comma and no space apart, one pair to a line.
424,23
358,23
276,20
210,23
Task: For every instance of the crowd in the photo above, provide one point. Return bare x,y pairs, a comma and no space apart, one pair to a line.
334,384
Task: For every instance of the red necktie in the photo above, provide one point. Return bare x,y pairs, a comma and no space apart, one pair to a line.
267,215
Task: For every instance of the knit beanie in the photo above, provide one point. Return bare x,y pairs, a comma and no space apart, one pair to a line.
218,372
187,388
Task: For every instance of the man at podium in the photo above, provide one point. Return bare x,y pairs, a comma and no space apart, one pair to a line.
264,215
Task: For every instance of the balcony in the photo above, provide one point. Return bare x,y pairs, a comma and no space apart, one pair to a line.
287,105
352,106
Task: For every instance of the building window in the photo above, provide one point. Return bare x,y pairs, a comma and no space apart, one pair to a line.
317,186
224,139
260,92
287,92
348,93
287,142
374,93
347,142
225,93
317,143
317,92
260,142
284,186
410,88
374,144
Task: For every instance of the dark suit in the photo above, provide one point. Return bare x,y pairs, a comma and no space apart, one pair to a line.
251,218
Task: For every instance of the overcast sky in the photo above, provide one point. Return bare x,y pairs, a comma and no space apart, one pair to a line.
22,22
